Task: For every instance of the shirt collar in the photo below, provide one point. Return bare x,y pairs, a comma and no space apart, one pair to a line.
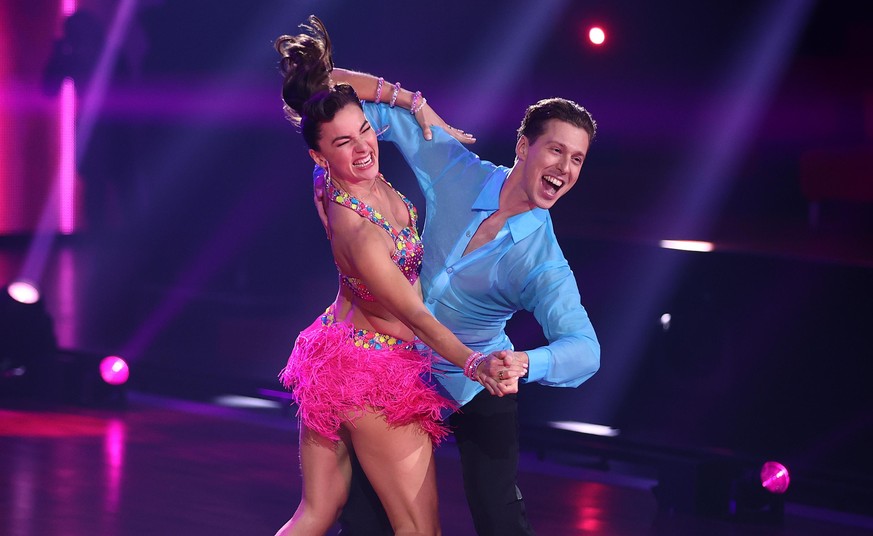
520,225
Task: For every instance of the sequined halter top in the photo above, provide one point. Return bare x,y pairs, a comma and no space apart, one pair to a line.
408,249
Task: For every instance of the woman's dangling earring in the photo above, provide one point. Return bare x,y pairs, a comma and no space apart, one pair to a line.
325,193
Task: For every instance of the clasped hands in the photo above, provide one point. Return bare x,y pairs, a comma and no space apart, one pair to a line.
499,373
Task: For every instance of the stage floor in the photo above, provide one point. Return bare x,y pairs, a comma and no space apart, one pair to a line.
164,466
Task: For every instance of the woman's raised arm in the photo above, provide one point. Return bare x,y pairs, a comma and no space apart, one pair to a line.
373,89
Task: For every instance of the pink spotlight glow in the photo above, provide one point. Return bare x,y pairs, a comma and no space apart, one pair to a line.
67,172
775,477
596,35
68,7
588,500
114,370
113,448
23,292
66,315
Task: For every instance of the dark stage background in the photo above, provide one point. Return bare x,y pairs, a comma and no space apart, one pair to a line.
750,124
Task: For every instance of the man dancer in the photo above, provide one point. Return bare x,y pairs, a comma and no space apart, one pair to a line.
490,250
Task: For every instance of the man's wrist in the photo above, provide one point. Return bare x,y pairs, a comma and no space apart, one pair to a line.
524,359
537,364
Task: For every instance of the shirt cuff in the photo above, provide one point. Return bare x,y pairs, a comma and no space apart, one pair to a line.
538,361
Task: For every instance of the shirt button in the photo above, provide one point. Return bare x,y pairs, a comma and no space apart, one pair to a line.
469,233
449,270
430,300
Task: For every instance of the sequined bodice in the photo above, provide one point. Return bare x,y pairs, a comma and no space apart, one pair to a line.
408,249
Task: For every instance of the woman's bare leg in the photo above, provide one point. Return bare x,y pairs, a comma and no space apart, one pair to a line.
399,463
327,472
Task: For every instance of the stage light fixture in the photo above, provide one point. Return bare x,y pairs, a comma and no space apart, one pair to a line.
725,488
757,494
23,292
90,379
596,35
688,245
586,428
666,318
114,370
775,477
27,340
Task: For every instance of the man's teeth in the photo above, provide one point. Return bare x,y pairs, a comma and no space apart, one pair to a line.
557,183
365,162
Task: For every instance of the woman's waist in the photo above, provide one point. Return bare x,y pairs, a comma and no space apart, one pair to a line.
367,325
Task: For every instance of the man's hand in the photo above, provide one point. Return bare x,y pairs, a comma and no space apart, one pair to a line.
519,357
500,372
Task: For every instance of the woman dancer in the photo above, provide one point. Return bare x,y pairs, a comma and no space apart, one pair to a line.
355,372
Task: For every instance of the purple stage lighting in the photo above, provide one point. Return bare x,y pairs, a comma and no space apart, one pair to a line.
114,370
67,171
68,7
775,477
23,292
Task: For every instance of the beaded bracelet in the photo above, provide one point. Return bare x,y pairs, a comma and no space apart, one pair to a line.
379,84
474,373
420,106
414,109
394,95
473,362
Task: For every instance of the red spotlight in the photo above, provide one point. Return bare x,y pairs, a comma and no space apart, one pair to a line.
596,35
775,477
114,370
23,292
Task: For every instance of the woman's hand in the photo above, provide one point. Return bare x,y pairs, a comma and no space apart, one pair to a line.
427,118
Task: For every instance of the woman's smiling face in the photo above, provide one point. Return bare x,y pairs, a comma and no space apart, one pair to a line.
349,145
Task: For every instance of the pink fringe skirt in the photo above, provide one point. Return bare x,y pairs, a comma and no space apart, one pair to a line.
335,371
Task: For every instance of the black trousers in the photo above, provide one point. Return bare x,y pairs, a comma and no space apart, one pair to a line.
486,431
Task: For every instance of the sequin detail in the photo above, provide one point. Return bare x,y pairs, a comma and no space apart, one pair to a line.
369,340
408,249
